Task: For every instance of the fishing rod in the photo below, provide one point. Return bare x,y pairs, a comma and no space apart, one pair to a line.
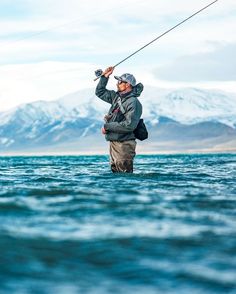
100,73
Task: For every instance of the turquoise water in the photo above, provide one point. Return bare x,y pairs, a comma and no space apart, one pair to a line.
68,225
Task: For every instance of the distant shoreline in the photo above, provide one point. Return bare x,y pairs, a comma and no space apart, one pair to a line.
186,152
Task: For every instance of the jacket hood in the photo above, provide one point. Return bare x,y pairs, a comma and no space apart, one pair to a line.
136,91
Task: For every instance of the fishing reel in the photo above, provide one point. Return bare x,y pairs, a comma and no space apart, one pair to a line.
98,73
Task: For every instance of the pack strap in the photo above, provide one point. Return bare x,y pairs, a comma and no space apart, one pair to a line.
120,105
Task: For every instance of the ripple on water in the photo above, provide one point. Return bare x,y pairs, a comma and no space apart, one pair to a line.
72,224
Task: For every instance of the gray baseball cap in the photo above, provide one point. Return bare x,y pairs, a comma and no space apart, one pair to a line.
128,78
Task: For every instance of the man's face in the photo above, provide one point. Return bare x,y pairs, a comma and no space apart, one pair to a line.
122,86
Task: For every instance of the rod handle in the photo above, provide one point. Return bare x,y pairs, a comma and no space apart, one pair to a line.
98,77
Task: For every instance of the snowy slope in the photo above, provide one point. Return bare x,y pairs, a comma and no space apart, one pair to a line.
189,106
80,115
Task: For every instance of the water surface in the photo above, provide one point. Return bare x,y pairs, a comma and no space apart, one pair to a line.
68,225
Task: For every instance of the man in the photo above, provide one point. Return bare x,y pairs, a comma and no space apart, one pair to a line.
122,118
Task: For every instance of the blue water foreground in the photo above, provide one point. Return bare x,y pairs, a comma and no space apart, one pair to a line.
68,225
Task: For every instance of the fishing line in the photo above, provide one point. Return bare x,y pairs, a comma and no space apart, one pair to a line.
97,13
77,20
100,73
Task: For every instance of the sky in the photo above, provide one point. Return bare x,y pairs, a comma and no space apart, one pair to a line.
50,48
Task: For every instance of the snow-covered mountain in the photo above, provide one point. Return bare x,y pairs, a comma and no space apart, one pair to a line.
74,121
189,106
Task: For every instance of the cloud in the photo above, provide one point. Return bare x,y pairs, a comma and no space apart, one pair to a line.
218,65
24,83
101,33
150,8
77,32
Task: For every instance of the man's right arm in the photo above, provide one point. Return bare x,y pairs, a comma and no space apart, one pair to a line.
101,91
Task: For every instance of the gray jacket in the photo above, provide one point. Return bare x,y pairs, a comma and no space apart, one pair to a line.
120,122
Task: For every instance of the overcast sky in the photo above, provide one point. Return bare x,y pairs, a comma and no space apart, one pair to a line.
50,48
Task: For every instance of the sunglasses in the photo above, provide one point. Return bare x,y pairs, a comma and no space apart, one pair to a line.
120,82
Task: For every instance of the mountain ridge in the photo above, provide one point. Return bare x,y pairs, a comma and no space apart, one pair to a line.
173,117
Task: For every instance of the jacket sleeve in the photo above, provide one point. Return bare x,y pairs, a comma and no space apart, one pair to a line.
132,117
102,93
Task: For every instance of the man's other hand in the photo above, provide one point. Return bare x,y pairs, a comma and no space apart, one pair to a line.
103,131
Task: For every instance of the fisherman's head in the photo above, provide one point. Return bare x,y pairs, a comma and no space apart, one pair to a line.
125,83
